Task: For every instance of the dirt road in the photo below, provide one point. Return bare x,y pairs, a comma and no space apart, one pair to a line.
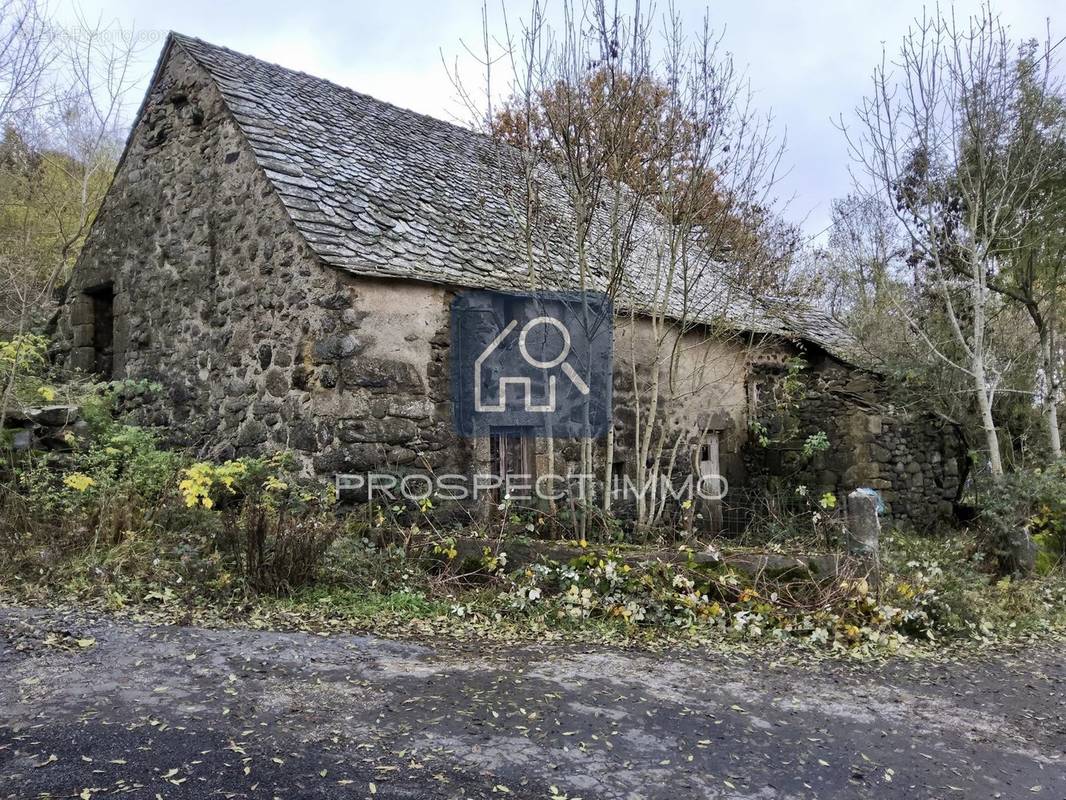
99,708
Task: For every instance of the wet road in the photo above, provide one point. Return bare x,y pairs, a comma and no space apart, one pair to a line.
100,708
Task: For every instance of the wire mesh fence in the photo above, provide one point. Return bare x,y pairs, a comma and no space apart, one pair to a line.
767,514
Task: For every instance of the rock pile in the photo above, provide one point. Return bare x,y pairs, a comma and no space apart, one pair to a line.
44,427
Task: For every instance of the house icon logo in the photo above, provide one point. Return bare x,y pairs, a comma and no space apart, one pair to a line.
527,383
534,363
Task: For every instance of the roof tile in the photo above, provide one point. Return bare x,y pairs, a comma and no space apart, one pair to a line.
413,195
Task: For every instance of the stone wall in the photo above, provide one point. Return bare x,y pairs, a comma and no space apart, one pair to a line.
55,428
918,464
218,299
915,461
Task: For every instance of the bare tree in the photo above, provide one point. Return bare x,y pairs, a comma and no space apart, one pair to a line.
67,146
865,253
937,141
634,120
1032,272
25,56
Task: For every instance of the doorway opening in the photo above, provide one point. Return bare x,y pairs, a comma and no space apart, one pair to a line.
513,459
103,300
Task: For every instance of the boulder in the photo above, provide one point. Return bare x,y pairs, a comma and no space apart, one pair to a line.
381,373
391,430
53,416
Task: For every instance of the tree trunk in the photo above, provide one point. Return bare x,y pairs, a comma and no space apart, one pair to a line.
1053,430
988,424
1051,393
608,468
979,369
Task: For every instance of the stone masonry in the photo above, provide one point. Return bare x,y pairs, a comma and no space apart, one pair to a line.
285,273
915,461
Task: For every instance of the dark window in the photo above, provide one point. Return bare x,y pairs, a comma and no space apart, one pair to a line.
103,299
708,457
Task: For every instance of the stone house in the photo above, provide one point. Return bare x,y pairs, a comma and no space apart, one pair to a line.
280,254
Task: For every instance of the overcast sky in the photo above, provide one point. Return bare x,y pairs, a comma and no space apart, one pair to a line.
808,62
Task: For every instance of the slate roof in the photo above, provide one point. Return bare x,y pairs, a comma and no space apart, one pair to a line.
381,191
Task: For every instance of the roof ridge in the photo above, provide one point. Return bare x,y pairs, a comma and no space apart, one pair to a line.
184,37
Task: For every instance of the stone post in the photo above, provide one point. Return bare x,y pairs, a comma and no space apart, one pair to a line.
863,531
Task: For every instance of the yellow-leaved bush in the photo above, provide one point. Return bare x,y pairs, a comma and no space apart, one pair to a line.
203,477
78,481
207,485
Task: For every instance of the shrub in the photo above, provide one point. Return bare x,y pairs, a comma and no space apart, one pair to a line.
277,525
124,462
36,381
121,509
106,487
1023,512
24,357
356,560
280,549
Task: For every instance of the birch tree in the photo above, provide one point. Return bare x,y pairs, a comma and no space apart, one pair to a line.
1033,267
938,140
